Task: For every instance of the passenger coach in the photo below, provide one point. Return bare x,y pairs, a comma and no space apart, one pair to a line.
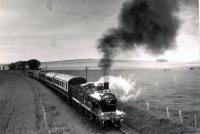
66,84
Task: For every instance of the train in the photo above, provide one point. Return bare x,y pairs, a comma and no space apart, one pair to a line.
96,100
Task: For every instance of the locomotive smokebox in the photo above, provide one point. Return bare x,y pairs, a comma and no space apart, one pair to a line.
106,85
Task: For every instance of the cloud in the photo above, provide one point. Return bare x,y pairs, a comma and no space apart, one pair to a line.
27,25
189,14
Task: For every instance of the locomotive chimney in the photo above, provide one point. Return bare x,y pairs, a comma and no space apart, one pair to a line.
106,85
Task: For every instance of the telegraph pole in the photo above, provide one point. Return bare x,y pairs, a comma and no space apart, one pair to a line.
86,71
199,31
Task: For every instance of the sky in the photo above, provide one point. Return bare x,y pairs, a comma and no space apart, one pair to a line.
51,30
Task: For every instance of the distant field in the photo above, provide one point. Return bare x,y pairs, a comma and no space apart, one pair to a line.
166,84
170,86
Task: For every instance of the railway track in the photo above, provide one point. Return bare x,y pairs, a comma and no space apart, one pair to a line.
123,130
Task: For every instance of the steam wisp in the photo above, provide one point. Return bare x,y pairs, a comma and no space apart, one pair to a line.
151,24
50,5
124,89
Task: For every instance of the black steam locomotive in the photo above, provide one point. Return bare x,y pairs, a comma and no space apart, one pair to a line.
96,101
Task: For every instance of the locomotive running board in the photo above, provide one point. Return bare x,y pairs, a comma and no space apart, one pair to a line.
84,106
63,92
81,103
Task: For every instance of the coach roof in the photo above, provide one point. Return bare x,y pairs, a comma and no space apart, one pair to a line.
36,72
50,74
64,77
71,78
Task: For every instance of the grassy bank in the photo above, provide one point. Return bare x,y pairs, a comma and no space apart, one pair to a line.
146,123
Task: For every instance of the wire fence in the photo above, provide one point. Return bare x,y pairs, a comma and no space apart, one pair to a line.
189,118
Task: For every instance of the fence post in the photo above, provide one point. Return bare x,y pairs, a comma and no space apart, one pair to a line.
180,116
195,121
167,112
147,105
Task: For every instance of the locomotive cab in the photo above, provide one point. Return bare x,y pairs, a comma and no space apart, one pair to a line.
100,87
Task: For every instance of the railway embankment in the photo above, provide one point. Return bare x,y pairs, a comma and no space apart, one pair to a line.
146,123
19,109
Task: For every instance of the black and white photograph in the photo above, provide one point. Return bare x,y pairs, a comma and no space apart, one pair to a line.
99,66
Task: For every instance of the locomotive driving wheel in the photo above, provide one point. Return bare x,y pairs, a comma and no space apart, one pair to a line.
90,115
101,124
117,124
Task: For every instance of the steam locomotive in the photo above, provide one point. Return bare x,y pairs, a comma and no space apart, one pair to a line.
96,100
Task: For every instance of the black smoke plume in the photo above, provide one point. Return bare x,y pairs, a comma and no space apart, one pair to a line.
152,24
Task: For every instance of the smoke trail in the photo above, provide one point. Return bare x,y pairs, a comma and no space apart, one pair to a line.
50,5
151,24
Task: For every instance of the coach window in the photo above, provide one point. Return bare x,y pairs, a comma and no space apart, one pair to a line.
80,93
67,86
